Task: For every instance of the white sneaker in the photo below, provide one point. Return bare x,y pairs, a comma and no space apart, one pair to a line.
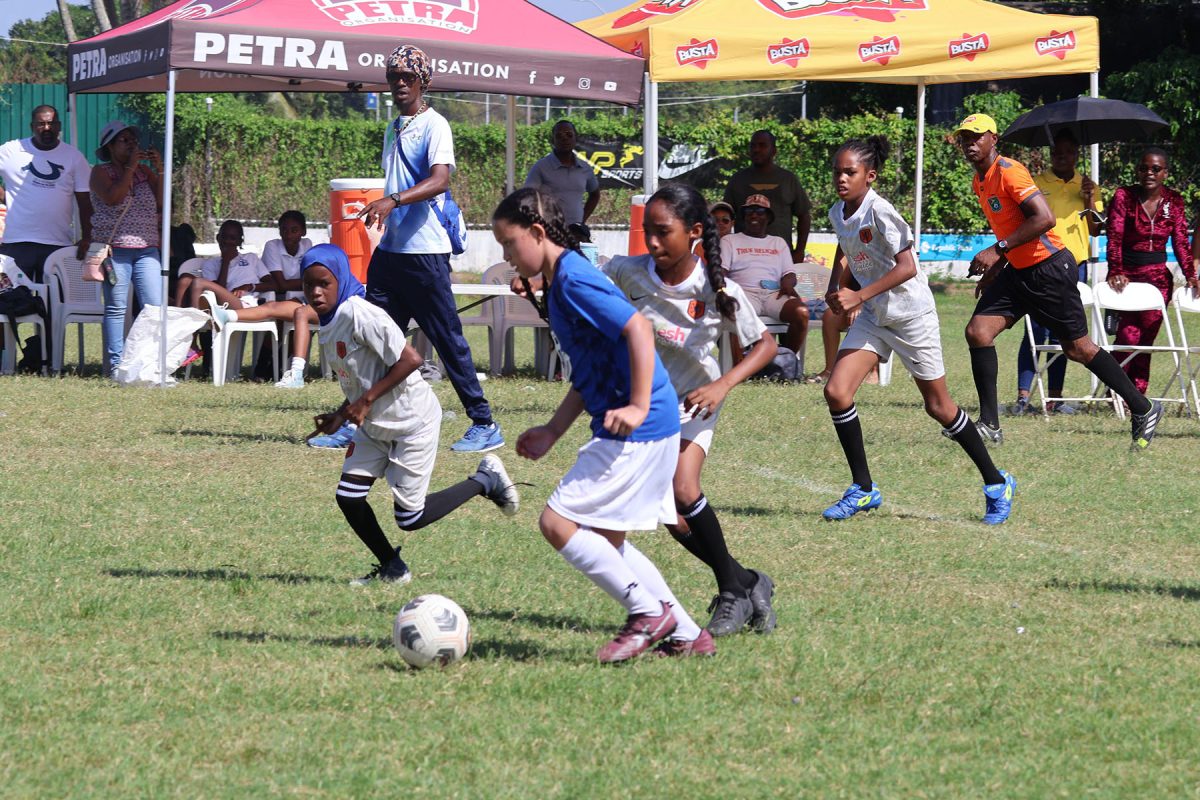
292,379
498,487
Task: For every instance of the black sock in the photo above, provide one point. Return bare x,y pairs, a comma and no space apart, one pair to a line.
352,499
984,368
849,433
962,431
731,576
683,534
439,504
1106,368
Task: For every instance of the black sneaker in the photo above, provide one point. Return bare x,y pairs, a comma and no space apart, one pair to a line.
1144,425
989,434
395,571
763,618
730,613
497,486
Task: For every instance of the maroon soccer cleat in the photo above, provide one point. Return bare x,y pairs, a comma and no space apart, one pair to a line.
702,645
637,635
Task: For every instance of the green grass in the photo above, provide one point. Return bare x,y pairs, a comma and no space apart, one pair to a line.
174,619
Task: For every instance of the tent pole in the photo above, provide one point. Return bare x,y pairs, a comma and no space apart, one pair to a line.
650,137
510,145
1094,242
919,186
165,244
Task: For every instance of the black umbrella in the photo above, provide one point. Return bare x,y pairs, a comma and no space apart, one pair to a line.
1091,119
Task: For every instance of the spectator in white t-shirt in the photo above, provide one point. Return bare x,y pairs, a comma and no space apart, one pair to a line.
43,176
282,256
762,266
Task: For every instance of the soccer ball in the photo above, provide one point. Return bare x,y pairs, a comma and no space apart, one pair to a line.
431,629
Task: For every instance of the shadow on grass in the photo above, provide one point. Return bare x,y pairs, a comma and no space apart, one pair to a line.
511,650
750,511
238,435
258,637
219,574
1182,644
1178,592
552,621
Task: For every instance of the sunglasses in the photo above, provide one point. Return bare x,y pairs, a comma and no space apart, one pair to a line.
754,210
408,78
1154,168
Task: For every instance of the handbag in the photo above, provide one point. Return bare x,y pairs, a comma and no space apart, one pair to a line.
97,264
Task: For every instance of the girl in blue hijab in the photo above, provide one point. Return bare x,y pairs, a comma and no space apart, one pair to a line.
398,417
333,258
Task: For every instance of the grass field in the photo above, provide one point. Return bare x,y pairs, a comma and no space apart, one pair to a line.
175,620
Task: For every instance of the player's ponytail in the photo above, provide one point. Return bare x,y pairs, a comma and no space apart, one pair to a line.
688,205
527,207
871,153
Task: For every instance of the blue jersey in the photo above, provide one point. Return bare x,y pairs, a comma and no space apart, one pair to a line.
587,314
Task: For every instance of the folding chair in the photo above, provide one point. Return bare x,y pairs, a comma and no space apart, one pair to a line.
72,300
1188,301
512,312
1054,352
1144,297
8,361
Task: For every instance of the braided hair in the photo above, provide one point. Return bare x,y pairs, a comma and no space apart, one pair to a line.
872,152
690,207
527,207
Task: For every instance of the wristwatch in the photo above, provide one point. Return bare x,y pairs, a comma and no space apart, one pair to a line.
395,197
1002,246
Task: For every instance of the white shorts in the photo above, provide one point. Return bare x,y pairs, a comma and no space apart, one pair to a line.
917,342
620,486
406,463
766,302
694,428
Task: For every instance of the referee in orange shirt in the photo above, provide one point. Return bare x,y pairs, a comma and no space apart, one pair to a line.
1029,271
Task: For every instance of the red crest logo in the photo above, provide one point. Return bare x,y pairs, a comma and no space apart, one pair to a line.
969,46
656,8
873,10
696,309
341,349
1056,44
789,52
349,449
697,53
880,50
865,235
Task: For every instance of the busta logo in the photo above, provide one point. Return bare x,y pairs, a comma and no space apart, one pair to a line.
969,46
789,52
865,235
655,8
879,50
1056,44
697,53
874,10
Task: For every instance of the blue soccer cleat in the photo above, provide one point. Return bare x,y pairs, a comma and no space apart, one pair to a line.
998,498
854,501
336,440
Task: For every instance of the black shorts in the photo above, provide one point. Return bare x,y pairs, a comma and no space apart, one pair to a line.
1047,292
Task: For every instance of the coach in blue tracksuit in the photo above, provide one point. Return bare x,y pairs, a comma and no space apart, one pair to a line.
409,274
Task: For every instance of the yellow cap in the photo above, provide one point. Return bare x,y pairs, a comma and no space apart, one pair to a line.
977,123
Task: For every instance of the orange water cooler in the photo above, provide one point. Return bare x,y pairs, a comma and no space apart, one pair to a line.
637,215
347,197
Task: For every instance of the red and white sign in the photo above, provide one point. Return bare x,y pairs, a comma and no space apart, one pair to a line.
697,53
1056,44
969,46
789,52
655,8
207,9
461,16
874,10
879,50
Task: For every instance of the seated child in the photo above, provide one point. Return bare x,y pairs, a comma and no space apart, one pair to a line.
281,257
397,414
762,266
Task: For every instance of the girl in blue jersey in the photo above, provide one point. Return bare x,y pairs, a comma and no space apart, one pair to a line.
898,316
622,478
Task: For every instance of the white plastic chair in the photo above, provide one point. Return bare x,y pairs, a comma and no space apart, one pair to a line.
1187,301
288,329
1144,297
512,312
484,315
812,281
72,300
232,334
8,362
1054,351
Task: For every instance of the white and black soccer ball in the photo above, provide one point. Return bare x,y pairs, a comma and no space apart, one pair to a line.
431,629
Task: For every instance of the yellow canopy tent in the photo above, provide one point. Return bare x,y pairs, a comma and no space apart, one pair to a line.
883,41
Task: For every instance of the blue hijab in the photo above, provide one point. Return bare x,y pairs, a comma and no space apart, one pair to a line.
333,258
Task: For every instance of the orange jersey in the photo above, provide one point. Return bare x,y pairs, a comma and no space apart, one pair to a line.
1001,191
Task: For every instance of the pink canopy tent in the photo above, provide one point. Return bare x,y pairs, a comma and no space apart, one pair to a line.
339,45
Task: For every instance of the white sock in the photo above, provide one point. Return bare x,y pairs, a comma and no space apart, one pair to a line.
686,629
593,555
298,364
